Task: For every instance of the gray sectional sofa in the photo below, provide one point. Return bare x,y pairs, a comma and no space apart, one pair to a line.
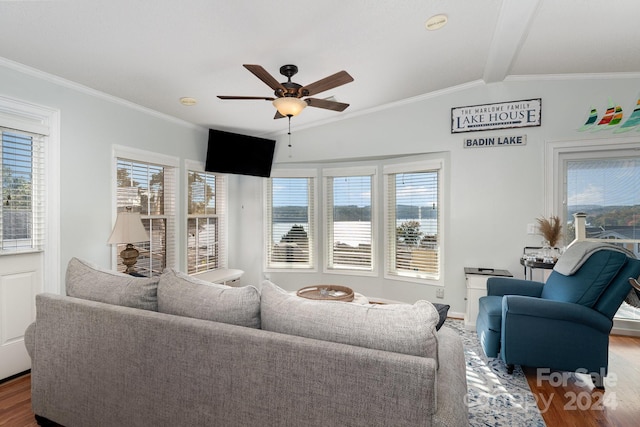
175,351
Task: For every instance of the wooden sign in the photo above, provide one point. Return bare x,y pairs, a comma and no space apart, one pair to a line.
501,115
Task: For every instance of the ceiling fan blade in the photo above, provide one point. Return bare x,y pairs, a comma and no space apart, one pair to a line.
278,115
334,80
326,104
263,75
265,98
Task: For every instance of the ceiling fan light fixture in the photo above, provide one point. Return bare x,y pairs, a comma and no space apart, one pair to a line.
289,106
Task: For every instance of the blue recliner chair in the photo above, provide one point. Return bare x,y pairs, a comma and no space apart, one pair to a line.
563,324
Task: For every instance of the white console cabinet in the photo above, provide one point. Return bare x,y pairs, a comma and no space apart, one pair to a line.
476,279
225,276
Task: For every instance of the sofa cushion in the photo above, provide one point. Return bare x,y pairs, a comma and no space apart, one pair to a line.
184,295
399,328
585,286
88,281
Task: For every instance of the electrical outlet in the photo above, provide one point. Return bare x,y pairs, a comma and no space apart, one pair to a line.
531,229
440,293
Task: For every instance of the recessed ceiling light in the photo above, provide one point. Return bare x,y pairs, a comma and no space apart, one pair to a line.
436,22
188,101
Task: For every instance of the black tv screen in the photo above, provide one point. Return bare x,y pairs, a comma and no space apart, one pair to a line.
229,152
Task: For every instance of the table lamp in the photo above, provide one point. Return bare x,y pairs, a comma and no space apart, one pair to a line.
128,229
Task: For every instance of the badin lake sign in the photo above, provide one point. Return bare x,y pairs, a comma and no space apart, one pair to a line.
495,141
501,115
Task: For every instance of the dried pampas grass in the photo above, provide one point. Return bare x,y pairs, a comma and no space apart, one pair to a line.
551,229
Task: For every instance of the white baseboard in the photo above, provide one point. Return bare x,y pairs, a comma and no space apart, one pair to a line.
455,315
629,328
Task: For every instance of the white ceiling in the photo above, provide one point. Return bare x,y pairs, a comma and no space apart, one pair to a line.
153,52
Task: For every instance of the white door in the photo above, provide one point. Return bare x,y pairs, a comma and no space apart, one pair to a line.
29,221
20,281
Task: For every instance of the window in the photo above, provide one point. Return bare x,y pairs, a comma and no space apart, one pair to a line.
149,189
608,190
602,179
413,229
23,196
349,219
205,221
290,220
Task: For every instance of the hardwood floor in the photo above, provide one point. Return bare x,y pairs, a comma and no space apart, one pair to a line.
564,399
569,399
15,403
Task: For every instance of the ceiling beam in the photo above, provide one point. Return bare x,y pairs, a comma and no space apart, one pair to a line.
511,30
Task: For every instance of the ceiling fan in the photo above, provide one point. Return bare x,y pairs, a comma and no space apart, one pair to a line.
288,95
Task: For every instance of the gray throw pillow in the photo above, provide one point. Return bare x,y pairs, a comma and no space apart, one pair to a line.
400,328
88,281
186,296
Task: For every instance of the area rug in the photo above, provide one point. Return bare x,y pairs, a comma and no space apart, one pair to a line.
495,398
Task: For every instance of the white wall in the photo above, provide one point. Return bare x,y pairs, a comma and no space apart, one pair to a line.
493,192
90,124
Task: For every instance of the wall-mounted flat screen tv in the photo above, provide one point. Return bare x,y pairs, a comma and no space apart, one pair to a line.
229,152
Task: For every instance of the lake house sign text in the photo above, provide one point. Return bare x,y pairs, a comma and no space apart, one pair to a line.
501,115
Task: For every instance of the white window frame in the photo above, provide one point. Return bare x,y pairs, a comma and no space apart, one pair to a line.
556,153
427,165
328,174
221,212
312,233
171,211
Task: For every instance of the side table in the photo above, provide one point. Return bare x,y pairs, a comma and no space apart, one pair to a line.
476,279
530,265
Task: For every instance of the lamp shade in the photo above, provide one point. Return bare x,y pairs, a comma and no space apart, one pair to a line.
289,105
128,229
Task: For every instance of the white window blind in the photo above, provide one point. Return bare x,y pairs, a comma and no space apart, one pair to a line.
290,222
349,222
149,189
206,200
600,178
608,191
413,224
23,191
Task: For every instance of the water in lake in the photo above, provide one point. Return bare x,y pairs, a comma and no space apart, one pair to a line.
356,230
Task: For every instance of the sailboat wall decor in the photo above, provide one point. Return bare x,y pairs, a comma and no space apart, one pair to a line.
632,122
612,119
591,121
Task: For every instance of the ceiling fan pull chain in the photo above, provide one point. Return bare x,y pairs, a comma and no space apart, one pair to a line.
289,133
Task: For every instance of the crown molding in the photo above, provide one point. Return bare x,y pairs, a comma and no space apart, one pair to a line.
59,81
574,76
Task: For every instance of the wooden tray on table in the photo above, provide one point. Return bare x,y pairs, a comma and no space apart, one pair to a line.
327,293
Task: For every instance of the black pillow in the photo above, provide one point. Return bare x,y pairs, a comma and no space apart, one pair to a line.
443,309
